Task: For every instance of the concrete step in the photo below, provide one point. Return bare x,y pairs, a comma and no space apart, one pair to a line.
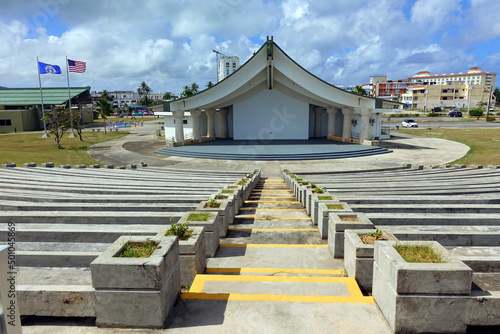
479,259
428,208
451,235
91,217
470,219
75,206
86,233
415,199
272,237
276,272
251,223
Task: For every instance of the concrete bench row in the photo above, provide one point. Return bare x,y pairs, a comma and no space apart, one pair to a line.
414,297
85,244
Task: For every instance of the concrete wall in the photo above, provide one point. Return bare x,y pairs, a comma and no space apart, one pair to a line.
271,114
22,120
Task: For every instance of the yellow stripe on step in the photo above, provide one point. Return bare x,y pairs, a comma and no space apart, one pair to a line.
278,298
275,229
275,245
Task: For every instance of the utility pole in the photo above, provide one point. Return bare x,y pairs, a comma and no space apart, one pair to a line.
488,105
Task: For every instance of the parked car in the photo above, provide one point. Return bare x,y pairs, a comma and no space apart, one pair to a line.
437,109
455,113
409,123
116,114
135,114
146,113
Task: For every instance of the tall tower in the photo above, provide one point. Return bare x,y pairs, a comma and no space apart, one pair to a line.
227,65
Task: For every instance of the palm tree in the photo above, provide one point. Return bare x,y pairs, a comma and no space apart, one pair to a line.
195,87
359,90
167,96
210,84
105,95
104,110
144,89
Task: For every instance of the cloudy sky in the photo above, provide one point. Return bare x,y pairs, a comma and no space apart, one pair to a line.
169,43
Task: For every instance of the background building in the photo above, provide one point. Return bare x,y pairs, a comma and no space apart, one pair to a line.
20,107
228,65
119,98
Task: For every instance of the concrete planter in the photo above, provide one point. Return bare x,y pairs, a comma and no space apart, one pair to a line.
338,223
237,192
324,211
230,203
423,297
136,292
315,205
307,200
192,254
358,257
212,230
224,213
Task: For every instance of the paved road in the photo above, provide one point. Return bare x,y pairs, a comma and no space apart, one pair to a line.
445,122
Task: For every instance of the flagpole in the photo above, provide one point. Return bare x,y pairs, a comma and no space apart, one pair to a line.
72,135
46,135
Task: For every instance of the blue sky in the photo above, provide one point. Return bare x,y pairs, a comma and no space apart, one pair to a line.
169,44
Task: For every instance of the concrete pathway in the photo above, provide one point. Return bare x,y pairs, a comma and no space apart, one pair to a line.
274,274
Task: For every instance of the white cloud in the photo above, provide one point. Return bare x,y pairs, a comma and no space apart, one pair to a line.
169,43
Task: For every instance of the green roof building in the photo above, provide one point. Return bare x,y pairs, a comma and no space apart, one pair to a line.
20,107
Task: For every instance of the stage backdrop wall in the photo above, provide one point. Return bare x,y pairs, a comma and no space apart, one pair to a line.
270,114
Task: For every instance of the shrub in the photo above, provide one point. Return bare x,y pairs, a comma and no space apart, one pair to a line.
182,231
490,119
476,112
212,203
435,114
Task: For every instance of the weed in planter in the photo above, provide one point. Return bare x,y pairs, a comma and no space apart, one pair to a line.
370,238
227,191
242,182
199,216
325,198
138,249
313,185
182,231
318,190
304,183
335,206
212,203
418,253
219,196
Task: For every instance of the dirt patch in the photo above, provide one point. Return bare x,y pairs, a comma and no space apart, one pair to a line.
370,239
349,219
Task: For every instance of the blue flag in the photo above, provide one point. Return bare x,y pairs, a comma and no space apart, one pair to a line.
47,68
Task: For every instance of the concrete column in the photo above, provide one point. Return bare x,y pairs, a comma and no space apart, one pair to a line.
346,131
317,121
195,116
364,133
179,126
331,121
223,122
210,122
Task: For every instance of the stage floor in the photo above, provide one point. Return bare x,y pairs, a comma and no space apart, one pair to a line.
312,149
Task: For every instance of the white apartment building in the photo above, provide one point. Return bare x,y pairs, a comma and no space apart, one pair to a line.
474,76
227,65
119,98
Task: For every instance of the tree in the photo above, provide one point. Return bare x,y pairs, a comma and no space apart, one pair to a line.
167,96
210,84
58,122
187,92
76,121
104,110
144,89
359,90
105,95
195,88
496,92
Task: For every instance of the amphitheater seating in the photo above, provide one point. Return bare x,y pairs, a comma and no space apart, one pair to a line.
65,218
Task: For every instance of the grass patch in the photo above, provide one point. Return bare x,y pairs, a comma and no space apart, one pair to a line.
199,216
335,206
219,196
242,182
318,190
227,191
183,232
30,147
484,143
138,249
325,198
418,253
349,219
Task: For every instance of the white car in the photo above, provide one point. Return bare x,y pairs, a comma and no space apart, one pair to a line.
409,123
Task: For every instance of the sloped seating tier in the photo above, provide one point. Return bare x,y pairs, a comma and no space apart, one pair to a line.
64,218
458,207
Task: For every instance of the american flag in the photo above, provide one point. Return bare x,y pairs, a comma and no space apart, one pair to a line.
77,66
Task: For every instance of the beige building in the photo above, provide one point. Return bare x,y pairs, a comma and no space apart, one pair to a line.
474,76
428,96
